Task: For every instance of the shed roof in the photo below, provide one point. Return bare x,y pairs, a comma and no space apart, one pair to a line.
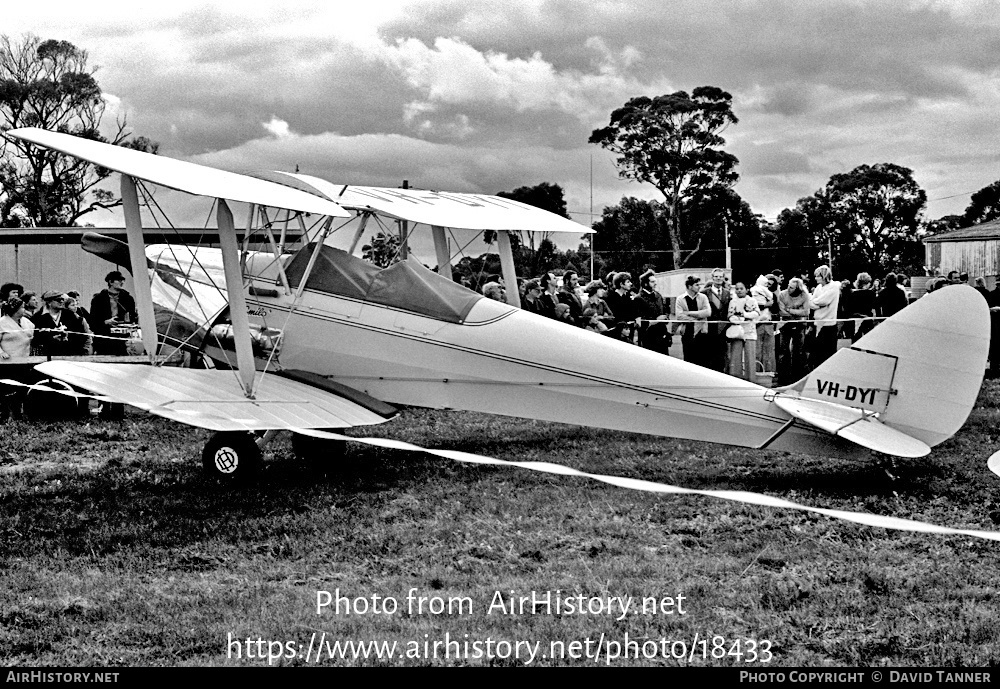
980,232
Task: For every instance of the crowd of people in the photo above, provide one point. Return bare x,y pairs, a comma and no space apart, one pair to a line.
614,307
55,324
767,328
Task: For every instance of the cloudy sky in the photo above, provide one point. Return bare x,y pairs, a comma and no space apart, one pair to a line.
486,97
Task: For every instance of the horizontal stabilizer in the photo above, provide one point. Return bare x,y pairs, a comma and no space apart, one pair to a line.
213,399
856,425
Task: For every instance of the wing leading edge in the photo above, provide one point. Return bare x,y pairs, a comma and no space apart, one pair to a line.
181,175
445,209
214,399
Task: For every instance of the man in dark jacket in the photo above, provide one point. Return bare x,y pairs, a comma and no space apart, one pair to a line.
623,306
652,307
568,296
51,336
110,310
549,300
715,339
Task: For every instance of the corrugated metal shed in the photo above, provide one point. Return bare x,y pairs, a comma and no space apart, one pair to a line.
974,250
47,258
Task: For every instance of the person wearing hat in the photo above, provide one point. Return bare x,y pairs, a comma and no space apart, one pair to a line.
110,309
51,338
599,316
11,289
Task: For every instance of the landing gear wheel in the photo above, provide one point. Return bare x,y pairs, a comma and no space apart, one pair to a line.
232,457
44,401
111,411
323,454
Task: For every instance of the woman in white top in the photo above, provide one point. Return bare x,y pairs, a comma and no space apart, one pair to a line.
824,301
743,313
16,331
764,294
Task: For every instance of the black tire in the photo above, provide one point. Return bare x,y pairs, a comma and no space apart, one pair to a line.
41,403
232,457
323,454
111,411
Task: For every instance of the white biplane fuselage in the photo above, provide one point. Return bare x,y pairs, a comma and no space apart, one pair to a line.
504,360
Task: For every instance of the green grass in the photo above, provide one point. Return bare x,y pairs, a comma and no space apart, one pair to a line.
116,551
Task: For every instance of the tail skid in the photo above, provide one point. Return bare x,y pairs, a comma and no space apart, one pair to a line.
909,384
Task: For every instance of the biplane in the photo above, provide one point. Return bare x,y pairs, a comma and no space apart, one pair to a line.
306,337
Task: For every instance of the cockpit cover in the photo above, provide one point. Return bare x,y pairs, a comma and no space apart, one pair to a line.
406,285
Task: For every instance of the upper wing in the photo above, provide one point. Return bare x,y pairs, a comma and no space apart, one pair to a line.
213,399
444,209
181,175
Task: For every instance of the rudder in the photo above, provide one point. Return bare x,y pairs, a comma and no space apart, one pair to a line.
921,369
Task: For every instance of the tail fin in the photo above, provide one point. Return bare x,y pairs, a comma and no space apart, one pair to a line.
921,370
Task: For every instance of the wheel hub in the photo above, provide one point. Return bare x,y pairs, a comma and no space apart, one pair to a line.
226,460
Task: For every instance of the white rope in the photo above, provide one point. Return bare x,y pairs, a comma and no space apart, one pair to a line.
745,497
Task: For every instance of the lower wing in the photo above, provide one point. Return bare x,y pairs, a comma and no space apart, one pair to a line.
214,399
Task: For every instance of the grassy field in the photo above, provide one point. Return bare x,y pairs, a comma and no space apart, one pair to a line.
116,551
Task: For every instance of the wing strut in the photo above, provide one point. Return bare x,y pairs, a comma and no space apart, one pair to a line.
237,295
442,251
312,258
507,266
361,231
140,270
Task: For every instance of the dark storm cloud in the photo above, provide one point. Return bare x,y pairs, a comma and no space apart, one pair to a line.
788,102
772,159
487,97
907,48
217,93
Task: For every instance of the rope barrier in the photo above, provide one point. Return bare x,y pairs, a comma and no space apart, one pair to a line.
744,497
857,320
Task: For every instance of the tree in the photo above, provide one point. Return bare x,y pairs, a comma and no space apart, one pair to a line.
871,215
945,223
674,143
635,230
546,196
712,213
383,250
983,206
533,251
48,84
797,239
